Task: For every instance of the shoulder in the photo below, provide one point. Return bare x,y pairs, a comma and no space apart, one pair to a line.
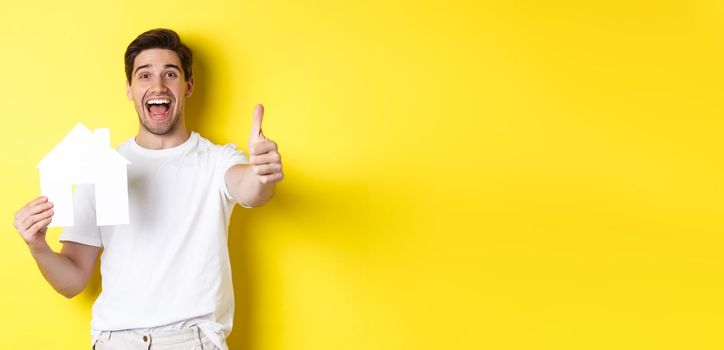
206,146
224,156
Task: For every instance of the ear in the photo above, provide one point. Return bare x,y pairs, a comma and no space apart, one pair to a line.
190,86
128,91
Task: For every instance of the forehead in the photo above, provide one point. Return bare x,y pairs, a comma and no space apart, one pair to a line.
156,58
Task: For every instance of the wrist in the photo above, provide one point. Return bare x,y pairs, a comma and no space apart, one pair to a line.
38,248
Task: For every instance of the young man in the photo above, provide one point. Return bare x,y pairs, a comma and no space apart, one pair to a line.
166,277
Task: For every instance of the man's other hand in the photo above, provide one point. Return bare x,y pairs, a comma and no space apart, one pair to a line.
264,157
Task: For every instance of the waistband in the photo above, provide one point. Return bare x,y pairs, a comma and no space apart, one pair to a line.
170,337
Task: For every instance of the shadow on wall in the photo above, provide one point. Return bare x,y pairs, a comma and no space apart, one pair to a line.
196,104
242,271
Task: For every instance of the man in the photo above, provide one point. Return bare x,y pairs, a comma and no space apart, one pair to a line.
166,277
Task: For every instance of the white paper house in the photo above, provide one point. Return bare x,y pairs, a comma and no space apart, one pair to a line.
85,157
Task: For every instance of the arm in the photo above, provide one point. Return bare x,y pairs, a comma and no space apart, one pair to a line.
253,184
69,271
245,188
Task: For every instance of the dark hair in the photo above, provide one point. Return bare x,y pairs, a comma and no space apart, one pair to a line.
159,39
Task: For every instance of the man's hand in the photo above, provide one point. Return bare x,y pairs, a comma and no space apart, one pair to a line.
265,160
252,184
32,221
69,271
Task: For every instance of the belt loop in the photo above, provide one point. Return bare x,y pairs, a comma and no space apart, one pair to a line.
104,335
197,330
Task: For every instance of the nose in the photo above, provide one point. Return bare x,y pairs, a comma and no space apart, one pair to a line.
157,84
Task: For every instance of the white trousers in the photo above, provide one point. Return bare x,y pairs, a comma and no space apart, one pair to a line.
185,339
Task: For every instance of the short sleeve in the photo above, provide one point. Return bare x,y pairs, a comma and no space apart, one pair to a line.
230,156
84,229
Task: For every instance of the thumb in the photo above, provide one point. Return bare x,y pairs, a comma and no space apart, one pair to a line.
256,134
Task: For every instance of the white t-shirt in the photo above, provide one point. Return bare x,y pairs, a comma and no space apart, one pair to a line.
169,268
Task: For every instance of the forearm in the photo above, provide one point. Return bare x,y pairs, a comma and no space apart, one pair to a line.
251,192
59,270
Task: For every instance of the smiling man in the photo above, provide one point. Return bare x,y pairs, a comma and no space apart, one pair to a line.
166,277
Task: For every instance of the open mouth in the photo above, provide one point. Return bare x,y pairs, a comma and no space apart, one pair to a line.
158,107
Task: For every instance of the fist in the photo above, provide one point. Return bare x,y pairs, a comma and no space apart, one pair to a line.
266,163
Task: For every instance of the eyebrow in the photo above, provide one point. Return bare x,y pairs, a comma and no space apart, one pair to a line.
165,66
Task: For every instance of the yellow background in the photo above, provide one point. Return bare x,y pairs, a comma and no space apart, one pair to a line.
460,175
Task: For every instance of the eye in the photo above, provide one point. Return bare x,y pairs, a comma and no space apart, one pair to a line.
143,76
170,74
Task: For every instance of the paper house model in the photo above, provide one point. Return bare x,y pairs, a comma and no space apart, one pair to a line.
85,157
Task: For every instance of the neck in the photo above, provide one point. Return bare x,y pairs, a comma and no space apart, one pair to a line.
148,140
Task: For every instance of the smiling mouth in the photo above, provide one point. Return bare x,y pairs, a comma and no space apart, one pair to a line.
158,107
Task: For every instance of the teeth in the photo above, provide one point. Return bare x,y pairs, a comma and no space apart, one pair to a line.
158,101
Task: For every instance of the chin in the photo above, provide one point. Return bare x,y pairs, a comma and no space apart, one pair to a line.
159,129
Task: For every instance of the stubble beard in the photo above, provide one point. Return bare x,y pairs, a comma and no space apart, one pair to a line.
162,129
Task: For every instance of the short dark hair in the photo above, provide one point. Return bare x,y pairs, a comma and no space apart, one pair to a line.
159,39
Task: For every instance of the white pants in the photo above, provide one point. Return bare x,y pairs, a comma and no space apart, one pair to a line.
185,339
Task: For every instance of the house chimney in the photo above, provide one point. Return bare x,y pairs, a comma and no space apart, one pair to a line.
102,136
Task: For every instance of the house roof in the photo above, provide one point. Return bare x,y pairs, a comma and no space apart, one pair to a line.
81,146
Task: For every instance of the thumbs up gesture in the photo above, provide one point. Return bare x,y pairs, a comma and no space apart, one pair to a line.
265,159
